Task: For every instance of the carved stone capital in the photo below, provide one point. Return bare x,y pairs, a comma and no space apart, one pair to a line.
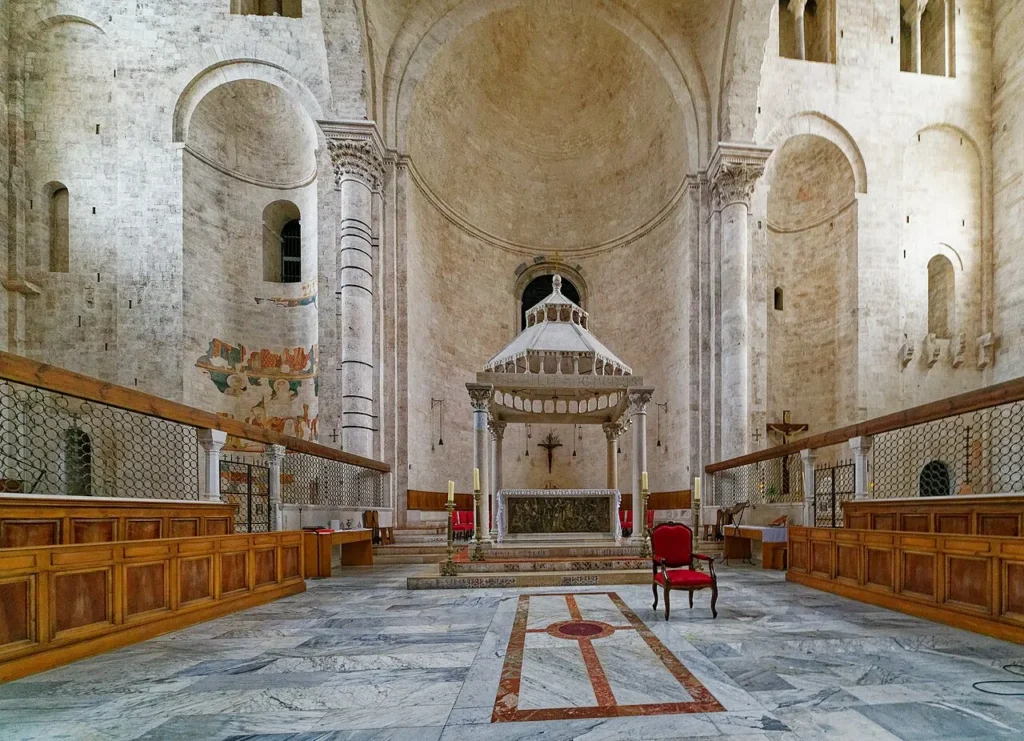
639,399
480,396
274,454
914,11
797,7
734,171
986,350
958,350
357,158
612,430
497,428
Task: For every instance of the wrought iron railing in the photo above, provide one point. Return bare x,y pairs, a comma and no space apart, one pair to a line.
967,444
62,433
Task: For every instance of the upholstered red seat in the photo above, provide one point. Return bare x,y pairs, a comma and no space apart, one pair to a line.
672,565
684,578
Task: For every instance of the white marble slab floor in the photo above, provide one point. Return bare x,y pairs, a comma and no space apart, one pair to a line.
360,658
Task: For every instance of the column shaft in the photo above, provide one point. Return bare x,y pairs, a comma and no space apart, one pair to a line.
735,364
212,441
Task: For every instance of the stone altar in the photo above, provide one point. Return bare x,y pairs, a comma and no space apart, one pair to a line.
558,512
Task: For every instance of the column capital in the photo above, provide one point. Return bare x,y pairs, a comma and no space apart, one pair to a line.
735,169
861,445
357,151
497,428
797,7
212,440
639,398
914,11
480,396
612,430
809,455
275,453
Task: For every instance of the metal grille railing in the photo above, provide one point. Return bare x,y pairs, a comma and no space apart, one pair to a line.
307,479
55,444
245,482
980,452
776,481
833,485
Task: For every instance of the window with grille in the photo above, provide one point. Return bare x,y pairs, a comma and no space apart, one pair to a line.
291,252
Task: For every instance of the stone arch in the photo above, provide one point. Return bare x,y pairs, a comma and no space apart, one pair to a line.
818,124
435,22
231,71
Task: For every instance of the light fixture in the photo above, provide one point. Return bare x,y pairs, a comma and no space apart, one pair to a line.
574,428
529,436
440,421
660,407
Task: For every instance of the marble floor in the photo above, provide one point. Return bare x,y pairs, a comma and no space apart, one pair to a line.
360,658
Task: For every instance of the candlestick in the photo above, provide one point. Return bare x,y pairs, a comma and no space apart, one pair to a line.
449,568
451,491
643,480
696,489
476,479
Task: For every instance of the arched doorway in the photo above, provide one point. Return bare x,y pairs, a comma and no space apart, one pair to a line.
934,480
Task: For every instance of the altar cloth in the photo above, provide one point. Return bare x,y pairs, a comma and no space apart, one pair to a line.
613,495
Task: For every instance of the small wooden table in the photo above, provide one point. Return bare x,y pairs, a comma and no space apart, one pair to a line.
773,544
355,546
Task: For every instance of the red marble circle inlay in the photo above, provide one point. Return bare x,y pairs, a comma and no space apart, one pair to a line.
576,629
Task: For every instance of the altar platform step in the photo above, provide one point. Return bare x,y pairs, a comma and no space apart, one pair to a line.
421,535
567,552
526,566
399,554
433,580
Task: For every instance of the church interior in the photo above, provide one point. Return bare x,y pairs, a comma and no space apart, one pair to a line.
387,370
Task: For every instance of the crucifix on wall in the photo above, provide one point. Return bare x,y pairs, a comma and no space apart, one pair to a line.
549,443
785,429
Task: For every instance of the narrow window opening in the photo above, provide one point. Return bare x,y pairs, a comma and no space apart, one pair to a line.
291,252
779,301
282,243
807,30
60,255
941,297
934,480
280,8
928,37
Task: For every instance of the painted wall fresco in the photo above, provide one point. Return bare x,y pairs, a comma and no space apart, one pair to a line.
306,298
272,389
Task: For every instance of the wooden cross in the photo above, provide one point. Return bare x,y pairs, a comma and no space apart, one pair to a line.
549,443
786,427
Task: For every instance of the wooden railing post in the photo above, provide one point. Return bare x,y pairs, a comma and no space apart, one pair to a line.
275,454
212,442
809,456
861,446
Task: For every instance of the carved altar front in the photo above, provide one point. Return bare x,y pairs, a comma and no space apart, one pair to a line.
558,512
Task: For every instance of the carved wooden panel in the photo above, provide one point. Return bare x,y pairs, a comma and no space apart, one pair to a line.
1013,588
954,523
266,566
798,555
821,558
29,533
847,562
289,561
857,522
182,527
148,529
885,522
218,526
234,572
1006,526
919,574
878,567
969,581
16,620
93,531
915,523
194,579
79,599
145,588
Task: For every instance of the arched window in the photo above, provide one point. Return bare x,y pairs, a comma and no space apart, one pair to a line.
59,228
807,30
779,299
282,243
291,252
283,8
935,25
934,480
78,457
539,289
941,296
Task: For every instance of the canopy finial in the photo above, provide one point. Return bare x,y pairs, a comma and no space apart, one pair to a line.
557,283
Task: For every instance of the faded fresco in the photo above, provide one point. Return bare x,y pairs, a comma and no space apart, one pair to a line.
306,298
275,390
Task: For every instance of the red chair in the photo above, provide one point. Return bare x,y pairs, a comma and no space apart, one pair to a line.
626,520
650,519
672,545
462,523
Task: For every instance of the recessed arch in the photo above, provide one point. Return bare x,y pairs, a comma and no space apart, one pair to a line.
818,124
233,70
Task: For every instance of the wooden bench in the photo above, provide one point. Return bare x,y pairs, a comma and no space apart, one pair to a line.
738,540
355,545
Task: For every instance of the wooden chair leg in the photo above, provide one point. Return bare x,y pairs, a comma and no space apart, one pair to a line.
714,599
654,586
691,599
667,603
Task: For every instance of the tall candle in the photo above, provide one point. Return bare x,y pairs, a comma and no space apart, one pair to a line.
451,491
696,489
476,479
643,480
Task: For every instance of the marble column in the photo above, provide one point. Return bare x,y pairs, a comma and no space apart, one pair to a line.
358,174
912,16
808,457
734,170
274,455
612,430
497,429
797,7
211,441
861,447
638,401
480,399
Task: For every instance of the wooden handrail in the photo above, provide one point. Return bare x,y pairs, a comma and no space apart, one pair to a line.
1006,392
61,381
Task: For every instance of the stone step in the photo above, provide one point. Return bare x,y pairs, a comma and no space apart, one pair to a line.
564,552
410,549
422,529
384,559
550,565
432,580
